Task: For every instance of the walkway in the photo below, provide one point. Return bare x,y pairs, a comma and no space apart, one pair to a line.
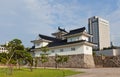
98,72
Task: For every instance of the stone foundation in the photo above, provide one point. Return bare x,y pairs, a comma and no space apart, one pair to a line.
74,61
107,61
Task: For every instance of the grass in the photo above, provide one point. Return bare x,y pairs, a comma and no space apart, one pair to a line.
24,72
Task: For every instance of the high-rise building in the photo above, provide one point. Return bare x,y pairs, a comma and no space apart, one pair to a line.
99,28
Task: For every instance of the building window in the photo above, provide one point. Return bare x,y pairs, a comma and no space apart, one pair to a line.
71,39
52,51
87,48
72,49
37,44
61,50
77,38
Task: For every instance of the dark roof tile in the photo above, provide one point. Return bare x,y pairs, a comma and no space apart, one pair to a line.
76,31
48,38
62,42
62,29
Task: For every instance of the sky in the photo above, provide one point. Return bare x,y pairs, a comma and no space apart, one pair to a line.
25,19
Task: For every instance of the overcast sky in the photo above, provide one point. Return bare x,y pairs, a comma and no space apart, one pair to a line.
25,19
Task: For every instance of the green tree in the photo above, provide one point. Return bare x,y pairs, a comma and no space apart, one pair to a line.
60,60
29,59
17,53
44,49
44,55
36,60
3,58
12,46
44,59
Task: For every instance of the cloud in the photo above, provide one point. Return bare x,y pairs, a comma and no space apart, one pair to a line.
58,14
27,18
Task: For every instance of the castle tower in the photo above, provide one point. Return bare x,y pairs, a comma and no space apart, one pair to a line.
60,33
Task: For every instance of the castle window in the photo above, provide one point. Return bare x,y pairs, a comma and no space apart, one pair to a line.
87,48
71,39
37,44
61,50
72,49
77,38
52,51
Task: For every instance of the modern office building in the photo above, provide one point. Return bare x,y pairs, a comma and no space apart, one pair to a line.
99,28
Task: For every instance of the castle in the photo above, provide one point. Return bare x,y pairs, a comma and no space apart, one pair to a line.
74,43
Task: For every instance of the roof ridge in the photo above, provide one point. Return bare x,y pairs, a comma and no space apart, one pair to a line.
78,29
75,31
46,36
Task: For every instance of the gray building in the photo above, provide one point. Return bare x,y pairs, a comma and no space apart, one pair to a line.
99,28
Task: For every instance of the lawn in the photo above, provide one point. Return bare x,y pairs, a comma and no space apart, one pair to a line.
37,73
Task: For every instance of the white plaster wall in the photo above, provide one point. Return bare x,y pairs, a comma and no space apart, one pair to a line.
78,50
87,49
83,38
76,38
71,39
42,44
37,53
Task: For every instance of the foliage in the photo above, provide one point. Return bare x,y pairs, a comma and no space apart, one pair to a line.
36,59
94,53
44,58
17,54
44,55
44,49
60,59
3,58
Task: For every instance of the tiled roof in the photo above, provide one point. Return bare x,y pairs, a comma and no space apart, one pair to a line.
75,31
59,42
62,29
63,42
48,38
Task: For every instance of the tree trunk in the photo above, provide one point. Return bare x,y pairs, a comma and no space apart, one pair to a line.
56,65
31,68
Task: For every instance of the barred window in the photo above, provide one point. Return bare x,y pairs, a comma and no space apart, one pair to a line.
61,50
52,51
72,49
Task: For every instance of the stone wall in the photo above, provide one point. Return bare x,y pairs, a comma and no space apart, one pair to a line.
74,61
107,61
85,61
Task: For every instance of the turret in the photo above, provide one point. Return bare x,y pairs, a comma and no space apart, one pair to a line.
60,33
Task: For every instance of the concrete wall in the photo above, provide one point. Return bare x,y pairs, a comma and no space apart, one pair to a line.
117,52
109,52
